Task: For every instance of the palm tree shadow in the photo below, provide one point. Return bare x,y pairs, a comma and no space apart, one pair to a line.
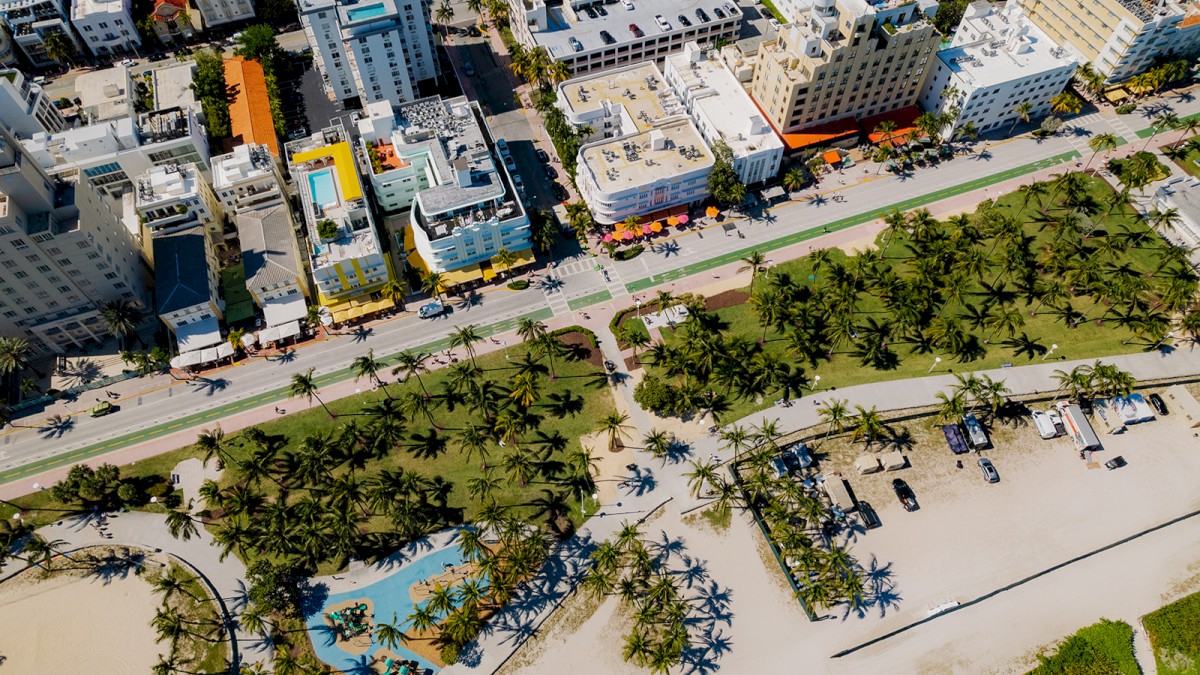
211,386
564,404
677,451
324,631
56,427
641,483
984,155
817,200
286,356
362,333
471,299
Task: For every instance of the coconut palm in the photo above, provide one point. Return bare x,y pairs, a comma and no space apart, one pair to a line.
755,263
868,424
702,475
369,367
887,129
1164,121
389,635
657,442
14,355
466,337
59,47
433,283
504,258
394,291
835,412
1066,102
794,179
180,524
444,13
121,318
1022,110
305,385
1101,143
615,427
412,364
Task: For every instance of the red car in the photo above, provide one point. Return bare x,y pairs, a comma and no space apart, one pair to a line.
637,32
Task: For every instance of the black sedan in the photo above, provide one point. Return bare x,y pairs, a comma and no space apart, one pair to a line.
905,494
560,192
1160,406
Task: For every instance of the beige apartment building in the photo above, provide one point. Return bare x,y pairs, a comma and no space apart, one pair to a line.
843,59
1120,38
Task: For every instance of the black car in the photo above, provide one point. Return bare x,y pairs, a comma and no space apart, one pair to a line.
1160,406
607,37
550,172
905,494
1115,463
560,192
601,11
591,13
702,15
719,12
684,21
870,519
157,57
542,156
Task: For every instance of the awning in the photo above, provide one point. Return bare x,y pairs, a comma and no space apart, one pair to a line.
831,157
381,305
208,355
711,212
248,339
288,330
774,192
279,311
524,257
341,315
462,275
268,335
186,359
198,335
489,273
356,312
224,350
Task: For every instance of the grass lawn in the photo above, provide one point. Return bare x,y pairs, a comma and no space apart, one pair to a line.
770,7
1189,160
996,346
238,304
568,408
1104,647
1174,633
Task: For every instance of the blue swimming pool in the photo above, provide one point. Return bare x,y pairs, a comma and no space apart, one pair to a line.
320,183
390,596
368,12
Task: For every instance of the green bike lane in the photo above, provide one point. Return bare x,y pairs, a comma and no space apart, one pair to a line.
851,221
217,413
222,411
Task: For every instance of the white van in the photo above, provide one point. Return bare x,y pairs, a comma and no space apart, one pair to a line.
1045,425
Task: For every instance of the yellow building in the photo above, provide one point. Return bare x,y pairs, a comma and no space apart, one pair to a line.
845,59
1120,38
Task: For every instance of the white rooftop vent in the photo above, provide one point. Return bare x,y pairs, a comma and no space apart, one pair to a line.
658,140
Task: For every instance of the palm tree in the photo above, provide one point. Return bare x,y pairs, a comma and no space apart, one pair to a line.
121,318
1101,143
1066,102
702,474
754,262
1022,110
614,425
59,47
394,291
433,283
368,366
389,635
466,337
180,524
525,389
657,442
504,258
835,412
1163,121
412,364
888,129
868,424
794,179
444,13
14,355
306,386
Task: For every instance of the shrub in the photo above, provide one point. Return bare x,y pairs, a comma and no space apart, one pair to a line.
654,395
518,284
629,253
128,494
1126,109
449,655
1174,636
1104,647
160,489
327,229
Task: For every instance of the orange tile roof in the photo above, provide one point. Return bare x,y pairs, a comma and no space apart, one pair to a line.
1190,20
179,5
249,107
822,133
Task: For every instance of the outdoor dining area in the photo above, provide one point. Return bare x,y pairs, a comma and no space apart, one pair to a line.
630,231
359,308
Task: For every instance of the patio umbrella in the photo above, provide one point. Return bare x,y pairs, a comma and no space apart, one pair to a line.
608,237
248,339
646,228
656,227
670,221
683,219
711,212
627,235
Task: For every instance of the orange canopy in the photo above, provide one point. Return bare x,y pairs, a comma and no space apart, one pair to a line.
712,211
831,157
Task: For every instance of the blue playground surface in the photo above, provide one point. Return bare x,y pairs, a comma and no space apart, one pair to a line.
390,595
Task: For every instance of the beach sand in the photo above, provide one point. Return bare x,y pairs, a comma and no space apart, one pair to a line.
70,625
421,590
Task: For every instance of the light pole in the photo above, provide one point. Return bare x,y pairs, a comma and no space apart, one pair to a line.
816,381
639,308
595,496
1052,348
505,343
936,361
1170,334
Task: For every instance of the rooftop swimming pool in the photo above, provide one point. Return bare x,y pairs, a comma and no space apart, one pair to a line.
368,12
390,595
320,184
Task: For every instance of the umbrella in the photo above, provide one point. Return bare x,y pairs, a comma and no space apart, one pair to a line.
683,218
670,221
627,235
646,228
656,227
711,212
608,237
248,339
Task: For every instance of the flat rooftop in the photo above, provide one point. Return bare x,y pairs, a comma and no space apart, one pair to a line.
244,163
639,88
1009,47
173,86
453,132
105,93
587,31
166,184
630,161
720,99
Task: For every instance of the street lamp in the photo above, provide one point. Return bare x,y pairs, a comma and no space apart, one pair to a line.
815,382
639,308
595,496
1052,348
1170,334
936,361
505,343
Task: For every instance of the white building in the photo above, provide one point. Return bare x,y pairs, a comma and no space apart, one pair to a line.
722,110
645,154
275,273
25,108
186,275
109,154
347,262
217,12
31,22
998,60
63,252
173,87
247,178
464,206
372,51
106,26
1182,194
105,94
174,197
8,52
592,43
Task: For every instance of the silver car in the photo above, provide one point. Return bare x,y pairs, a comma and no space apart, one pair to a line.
989,470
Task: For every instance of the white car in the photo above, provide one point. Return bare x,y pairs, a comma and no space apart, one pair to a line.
773,24
1045,425
128,63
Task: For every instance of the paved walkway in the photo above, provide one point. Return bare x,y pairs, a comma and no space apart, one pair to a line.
149,531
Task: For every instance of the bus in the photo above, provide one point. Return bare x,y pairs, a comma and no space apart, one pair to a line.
1078,427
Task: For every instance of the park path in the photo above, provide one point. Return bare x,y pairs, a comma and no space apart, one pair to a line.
149,531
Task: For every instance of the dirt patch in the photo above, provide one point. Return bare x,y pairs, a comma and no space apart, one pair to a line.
726,299
580,346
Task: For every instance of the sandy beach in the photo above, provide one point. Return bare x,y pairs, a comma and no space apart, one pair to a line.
72,625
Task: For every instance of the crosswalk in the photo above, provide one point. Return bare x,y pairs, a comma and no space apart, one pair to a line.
1080,142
